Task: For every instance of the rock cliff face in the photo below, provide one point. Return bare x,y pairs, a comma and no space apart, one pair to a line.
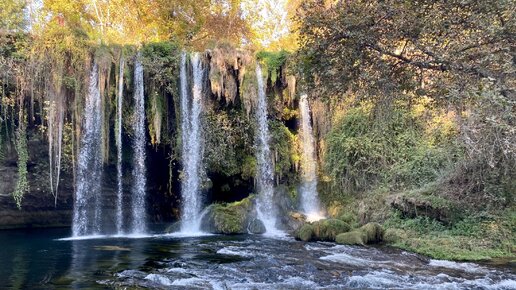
228,130
38,206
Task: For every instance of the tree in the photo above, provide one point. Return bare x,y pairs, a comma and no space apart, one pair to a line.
12,16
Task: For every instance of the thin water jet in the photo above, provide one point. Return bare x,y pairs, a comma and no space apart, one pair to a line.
138,205
310,204
118,140
265,206
86,219
191,145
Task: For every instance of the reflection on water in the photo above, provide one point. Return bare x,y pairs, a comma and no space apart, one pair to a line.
38,260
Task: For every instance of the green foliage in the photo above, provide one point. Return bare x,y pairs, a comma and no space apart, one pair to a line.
249,167
12,16
22,185
273,62
283,146
363,152
228,139
476,237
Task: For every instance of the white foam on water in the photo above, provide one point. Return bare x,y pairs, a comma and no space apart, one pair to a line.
376,280
344,258
236,251
160,279
276,234
188,282
177,270
80,238
184,235
504,284
467,267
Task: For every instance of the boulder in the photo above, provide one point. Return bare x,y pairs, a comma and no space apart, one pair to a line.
231,218
355,237
367,234
392,236
305,233
373,233
295,221
328,229
256,226
414,204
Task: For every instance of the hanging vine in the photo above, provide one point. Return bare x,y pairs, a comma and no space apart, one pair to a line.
22,185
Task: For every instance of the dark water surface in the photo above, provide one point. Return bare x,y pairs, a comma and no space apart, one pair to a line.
37,259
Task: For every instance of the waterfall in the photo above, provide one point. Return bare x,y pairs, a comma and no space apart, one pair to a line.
118,132
265,175
191,145
309,200
89,167
139,172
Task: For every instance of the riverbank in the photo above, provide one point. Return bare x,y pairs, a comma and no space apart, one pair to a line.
431,226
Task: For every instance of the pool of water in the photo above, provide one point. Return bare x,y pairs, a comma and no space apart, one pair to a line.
41,259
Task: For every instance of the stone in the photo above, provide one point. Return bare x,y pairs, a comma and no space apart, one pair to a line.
328,229
256,226
305,233
355,237
230,218
367,234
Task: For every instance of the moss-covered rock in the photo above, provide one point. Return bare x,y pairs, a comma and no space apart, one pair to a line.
425,203
392,236
350,219
356,237
368,234
328,229
305,233
231,218
373,232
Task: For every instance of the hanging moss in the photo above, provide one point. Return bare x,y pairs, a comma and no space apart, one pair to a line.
228,67
249,90
283,146
22,185
161,68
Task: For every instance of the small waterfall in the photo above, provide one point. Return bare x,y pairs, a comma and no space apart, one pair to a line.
265,175
87,208
139,172
118,132
192,145
310,204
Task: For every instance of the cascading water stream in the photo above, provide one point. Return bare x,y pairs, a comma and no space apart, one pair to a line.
118,132
87,208
265,176
138,225
310,204
191,145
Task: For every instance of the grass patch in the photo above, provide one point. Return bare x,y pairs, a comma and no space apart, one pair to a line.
474,238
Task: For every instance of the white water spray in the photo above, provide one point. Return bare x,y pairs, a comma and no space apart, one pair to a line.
118,132
192,145
87,208
265,175
310,204
138,225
